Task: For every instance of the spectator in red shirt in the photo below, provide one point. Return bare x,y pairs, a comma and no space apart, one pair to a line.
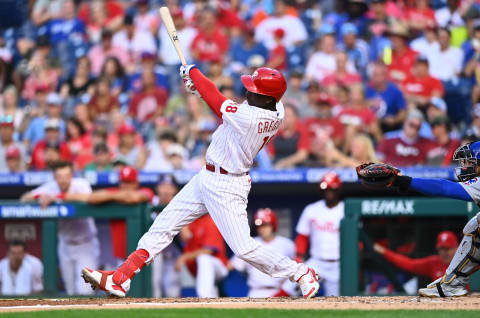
402,57
100,14
409,148
420,87
102,102
357,117
100,52
79,143
150,101
322,127
204,255
128,150
420,16
433,266
128,192
291,145
278,55
442,154
341,76
210,44
40,157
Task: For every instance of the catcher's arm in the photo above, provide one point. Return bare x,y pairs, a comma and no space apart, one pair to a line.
382,175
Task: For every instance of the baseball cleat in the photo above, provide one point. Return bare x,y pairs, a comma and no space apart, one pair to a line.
103,280
308,283
438,289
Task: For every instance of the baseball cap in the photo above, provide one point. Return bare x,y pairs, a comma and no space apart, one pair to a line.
323,99
446,239
168,179
175,150
42,88
206,125
439,120
415,114
327,28
12,152
279,33
54,99
126,129
438,103
348,28
147,56
128,174
52,124
6,121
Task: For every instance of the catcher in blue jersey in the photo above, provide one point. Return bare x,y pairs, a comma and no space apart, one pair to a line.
467,257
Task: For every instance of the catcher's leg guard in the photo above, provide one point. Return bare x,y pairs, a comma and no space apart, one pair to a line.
465,262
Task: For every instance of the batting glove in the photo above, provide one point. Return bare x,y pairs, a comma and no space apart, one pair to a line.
185,71
190,87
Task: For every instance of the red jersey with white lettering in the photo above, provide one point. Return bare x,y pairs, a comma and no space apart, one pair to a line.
245,130
322,225
399,152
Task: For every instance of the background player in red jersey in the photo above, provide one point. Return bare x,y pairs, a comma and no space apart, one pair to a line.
204,255
433,266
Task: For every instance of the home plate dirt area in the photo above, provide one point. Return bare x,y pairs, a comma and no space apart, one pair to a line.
363,303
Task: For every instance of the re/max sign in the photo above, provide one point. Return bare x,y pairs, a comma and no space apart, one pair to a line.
388,207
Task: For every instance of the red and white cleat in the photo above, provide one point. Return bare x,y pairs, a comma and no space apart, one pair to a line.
308,283
103,280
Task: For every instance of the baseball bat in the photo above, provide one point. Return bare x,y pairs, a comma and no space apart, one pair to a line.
172,32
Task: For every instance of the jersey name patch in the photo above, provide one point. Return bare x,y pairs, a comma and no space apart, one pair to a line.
268,126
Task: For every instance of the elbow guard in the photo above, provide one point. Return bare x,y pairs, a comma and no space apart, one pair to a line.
472,225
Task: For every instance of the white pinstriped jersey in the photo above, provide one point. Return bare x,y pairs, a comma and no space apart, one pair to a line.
322,225
245,130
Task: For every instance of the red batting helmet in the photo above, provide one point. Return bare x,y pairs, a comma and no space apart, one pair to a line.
330,181
265,81
265,216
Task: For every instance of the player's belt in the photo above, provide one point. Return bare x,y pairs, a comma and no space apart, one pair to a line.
211,168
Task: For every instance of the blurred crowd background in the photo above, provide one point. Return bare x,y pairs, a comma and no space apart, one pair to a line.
96,82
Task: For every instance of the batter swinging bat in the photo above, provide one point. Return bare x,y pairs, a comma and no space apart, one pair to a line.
172,32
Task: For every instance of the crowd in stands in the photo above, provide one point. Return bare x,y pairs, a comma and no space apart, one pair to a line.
96,82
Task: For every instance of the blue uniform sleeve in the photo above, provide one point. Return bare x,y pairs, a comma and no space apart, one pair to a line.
440,188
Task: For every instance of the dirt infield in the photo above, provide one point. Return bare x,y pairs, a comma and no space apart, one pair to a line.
366,303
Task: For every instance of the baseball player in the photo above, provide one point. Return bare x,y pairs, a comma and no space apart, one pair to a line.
467,257
165,279
221,188
260,284
204,255
433,266
319,227
77,238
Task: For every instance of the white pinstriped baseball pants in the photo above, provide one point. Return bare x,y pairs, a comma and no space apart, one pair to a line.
224,197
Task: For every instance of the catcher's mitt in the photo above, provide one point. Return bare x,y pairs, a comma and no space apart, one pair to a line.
377,175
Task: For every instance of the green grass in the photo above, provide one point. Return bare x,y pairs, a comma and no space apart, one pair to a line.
244,313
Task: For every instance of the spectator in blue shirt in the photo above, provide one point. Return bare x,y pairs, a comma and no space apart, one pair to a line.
36,129
386,99
243,48
356,49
